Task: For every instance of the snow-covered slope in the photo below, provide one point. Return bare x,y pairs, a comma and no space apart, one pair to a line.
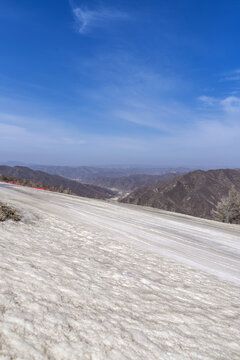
88,279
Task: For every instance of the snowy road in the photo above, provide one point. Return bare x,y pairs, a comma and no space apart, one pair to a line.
89,279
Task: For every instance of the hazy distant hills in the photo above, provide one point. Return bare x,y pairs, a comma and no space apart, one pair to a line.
87,173
130,182
195,193
41,177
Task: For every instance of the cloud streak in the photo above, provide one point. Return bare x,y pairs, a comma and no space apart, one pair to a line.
232,76
86,20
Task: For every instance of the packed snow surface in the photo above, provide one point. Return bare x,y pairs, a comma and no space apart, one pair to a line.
87,279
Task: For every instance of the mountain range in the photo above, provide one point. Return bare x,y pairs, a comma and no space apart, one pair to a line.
57,181
195,193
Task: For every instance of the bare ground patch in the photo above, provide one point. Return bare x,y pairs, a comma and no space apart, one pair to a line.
8,212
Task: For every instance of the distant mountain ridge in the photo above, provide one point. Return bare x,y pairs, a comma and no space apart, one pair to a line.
195,193
87,173
57,181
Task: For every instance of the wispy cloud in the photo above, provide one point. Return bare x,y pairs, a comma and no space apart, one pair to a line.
231,76
208,100
86,20
142,123
160,116
213,136
125,91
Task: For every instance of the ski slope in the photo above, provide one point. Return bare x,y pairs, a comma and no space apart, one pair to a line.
88,279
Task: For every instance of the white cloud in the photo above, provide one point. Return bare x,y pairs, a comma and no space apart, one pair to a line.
231,104
216,126
229,107
87,19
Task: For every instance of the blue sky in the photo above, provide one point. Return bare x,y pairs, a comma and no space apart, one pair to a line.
120,82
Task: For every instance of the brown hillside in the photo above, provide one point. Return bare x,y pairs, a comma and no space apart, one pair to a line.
196,193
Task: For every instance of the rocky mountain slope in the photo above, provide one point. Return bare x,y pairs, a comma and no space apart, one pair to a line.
195,193
57,181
